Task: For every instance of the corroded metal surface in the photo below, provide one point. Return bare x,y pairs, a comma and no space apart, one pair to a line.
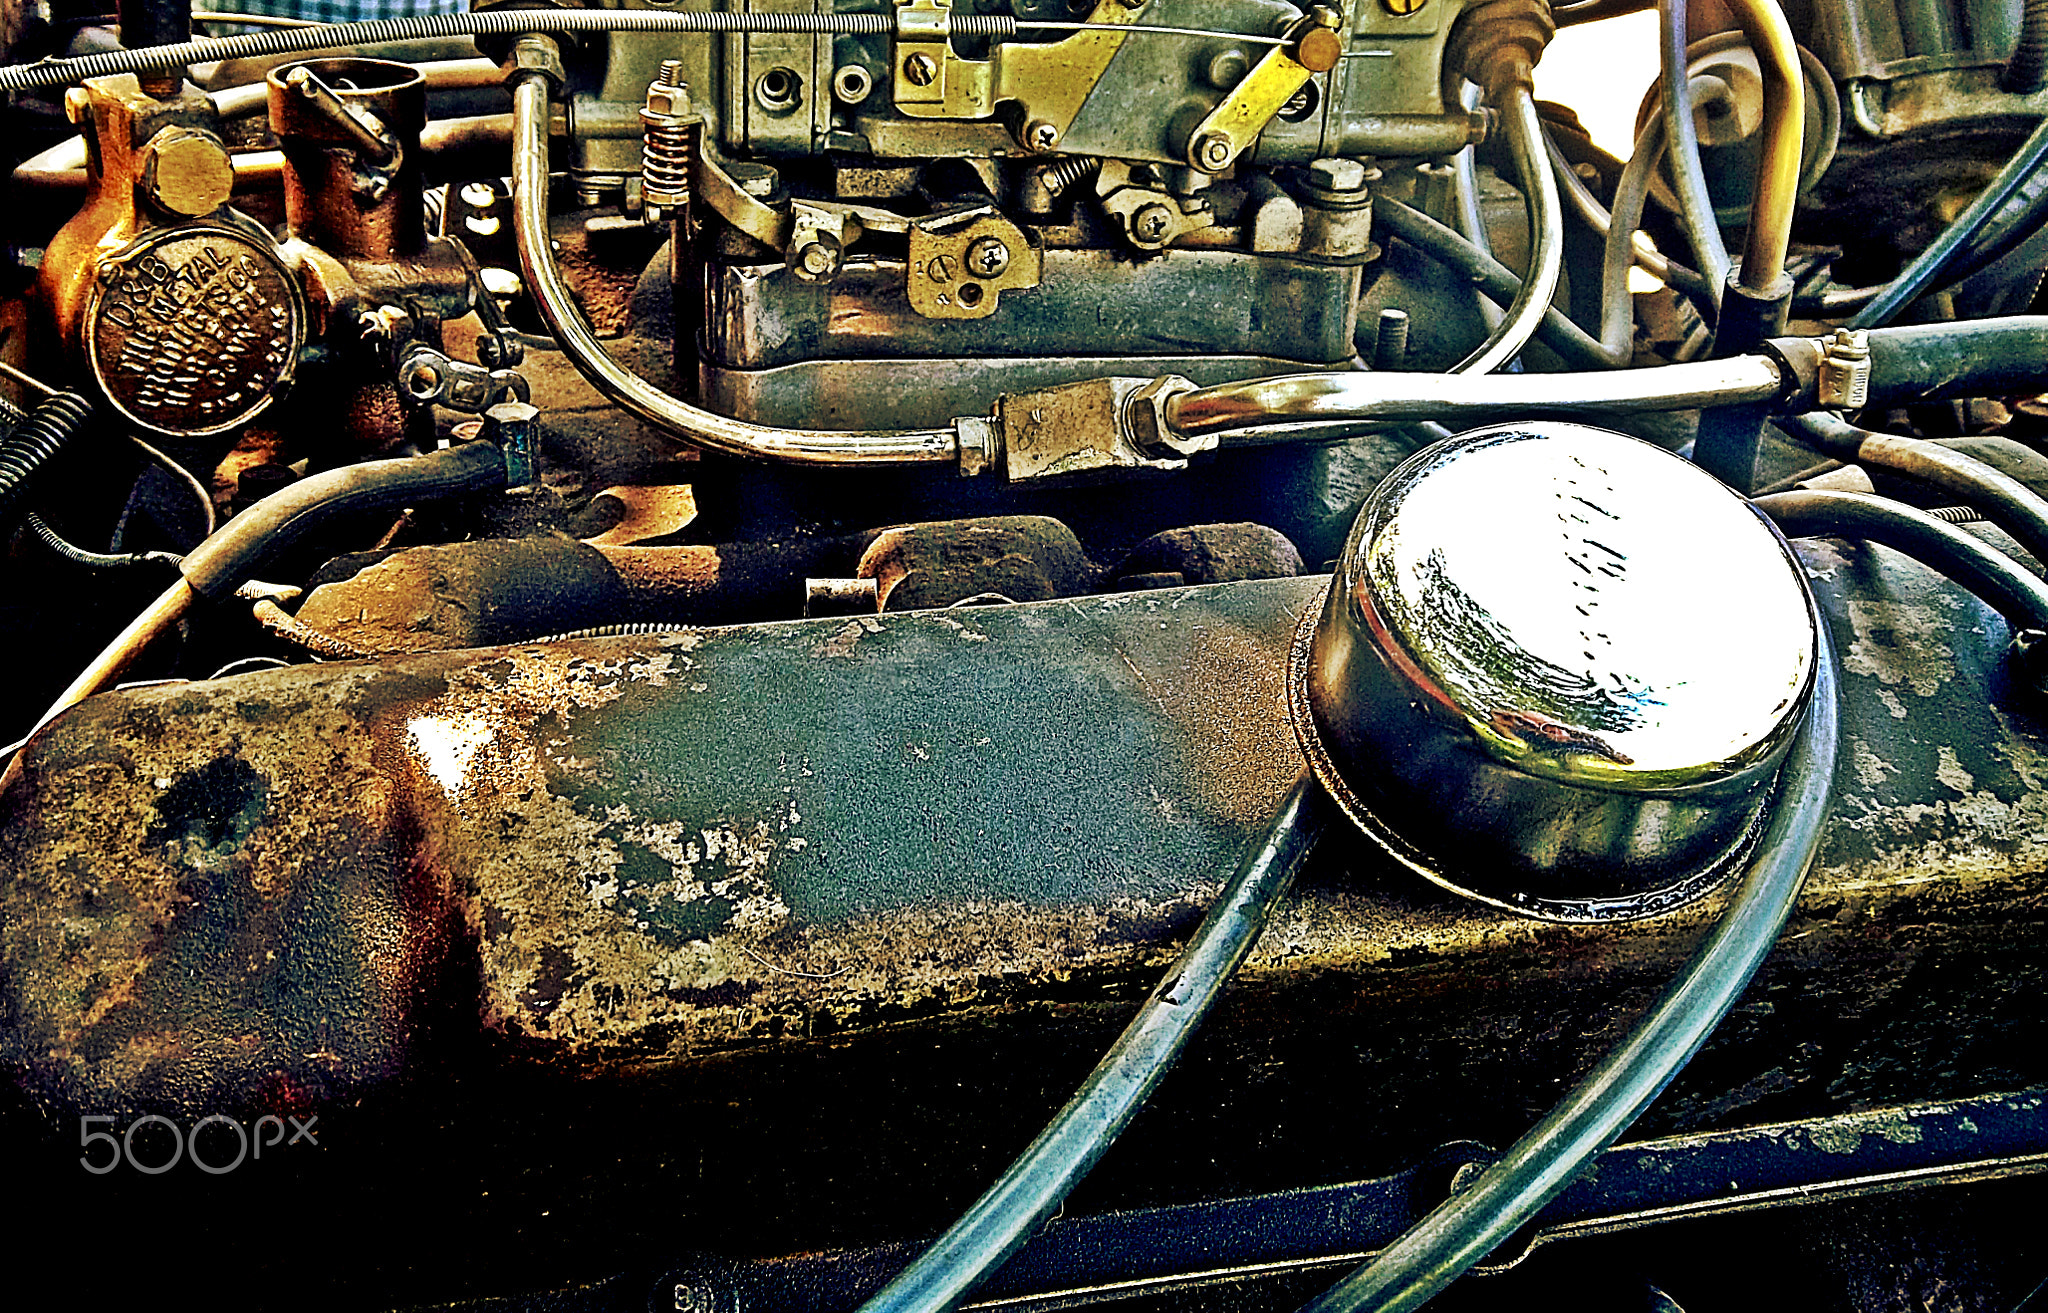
617,852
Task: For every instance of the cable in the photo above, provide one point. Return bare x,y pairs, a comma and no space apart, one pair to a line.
2027,71
50,538
1918,278
35,442
204,498
558,308
1471,1223
1524,132
1033,1187
648,629
1489,276
2021,597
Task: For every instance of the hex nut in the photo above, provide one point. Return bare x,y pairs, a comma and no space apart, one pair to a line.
1337,175
1145,417
1213,152
186,173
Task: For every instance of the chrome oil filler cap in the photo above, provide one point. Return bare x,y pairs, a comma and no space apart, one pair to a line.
1557,671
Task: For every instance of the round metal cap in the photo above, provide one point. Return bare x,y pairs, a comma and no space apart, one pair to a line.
1557,670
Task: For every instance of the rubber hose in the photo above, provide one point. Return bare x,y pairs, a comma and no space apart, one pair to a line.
232,556
34,442
1471,1223
2021,597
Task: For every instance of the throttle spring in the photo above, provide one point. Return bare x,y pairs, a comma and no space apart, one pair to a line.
668,149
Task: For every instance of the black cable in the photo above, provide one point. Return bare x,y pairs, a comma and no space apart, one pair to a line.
1034,1186
232,556
2027,71
1471,1223
72,552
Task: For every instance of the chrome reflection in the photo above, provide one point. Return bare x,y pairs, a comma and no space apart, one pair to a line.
1569,662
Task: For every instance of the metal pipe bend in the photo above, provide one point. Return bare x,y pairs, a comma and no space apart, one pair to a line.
671,414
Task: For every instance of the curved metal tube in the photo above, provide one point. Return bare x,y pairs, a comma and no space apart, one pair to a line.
1524,132
1695,203
573,334
1335,406
1465,1228
1033,1187
1784,131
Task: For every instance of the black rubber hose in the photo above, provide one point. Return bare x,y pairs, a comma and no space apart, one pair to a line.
2027,71
34,442
2002,357
1929,270
233,555
1035,1185
1989,573
1471,1223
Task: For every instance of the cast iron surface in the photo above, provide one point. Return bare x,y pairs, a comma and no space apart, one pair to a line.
789,937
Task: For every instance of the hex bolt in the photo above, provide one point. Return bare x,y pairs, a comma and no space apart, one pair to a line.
1151,223
1213,152
1337,175
186,173
1390,347
988,257
921,69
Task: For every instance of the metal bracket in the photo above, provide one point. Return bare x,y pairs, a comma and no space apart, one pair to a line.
1082,430
1312,47
962,262
1050,81
432,378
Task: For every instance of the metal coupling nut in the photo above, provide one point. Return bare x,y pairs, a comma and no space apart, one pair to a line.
1844,382
537,53
1144,417
515,427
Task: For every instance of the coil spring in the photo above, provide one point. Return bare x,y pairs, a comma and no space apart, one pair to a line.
1957,514
37,439
668,150
499,22
615,631
1063,174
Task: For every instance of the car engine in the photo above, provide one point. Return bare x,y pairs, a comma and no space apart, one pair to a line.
649,634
